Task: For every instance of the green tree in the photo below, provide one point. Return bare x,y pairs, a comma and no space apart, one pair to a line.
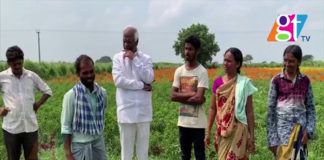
307,57
104,59
248,58
208,47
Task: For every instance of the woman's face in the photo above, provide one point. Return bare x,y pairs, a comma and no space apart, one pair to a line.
230,65
290,62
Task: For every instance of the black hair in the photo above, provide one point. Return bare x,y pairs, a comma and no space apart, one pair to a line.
295,50
78,61
238,57
193,40
14,53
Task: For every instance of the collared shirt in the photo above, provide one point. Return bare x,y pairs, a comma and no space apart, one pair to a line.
19,96
289,103
134,105
68,113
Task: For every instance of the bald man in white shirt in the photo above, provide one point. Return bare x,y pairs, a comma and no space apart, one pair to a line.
133,76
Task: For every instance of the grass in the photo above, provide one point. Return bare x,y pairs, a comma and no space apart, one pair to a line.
164,131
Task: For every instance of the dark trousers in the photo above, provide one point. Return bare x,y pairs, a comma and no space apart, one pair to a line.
14,142
189,136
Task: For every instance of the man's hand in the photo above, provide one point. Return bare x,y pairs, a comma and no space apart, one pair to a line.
190,94
67,138
4,111
147,87
304,138
130,54
36,106
195,98
69,156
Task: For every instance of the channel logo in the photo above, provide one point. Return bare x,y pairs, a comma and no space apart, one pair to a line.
287,28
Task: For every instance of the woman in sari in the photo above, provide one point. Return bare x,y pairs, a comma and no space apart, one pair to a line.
291,109
231,104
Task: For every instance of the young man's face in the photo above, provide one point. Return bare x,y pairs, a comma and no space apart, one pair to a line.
16,66
87,73
190,52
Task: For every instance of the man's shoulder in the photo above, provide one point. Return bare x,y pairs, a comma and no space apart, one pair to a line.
180,68
118,55
144,55
202,68
104,92
69,93
4,72
30,73
102,89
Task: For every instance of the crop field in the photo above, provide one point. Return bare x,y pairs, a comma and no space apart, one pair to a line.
164,141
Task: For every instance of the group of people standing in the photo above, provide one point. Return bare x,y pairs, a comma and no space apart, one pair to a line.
291,111
84,105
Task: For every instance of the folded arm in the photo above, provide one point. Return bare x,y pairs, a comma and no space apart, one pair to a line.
144,70
121,81
192,98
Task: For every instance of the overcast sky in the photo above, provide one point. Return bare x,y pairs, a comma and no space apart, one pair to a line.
69,28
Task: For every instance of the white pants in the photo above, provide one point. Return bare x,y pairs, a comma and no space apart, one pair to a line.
134,133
